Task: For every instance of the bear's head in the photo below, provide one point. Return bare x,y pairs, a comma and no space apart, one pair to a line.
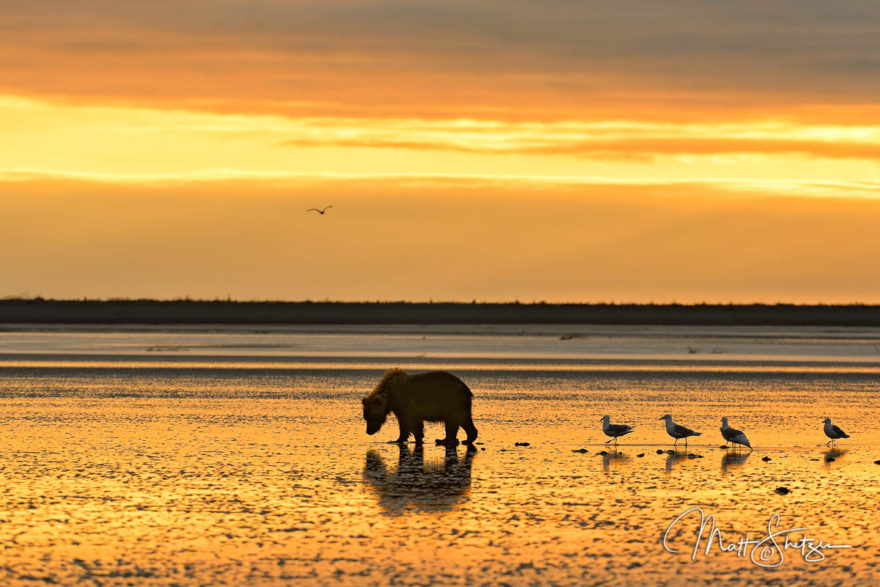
375,412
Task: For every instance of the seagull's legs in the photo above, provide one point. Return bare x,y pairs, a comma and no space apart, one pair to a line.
675,443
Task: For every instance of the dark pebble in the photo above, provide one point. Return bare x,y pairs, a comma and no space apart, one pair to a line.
692,456
830,459
783,490
483,449
765,459
602,452
725,446
659,451
640,455
580,450
521,444
670,452
877,462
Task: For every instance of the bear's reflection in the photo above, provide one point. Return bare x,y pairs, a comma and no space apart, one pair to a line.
414,484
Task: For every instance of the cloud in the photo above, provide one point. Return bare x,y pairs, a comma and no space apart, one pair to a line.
627,149
445,56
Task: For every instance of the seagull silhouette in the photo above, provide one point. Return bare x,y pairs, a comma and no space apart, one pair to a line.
319,210
614,430
677,431
833,432
732,435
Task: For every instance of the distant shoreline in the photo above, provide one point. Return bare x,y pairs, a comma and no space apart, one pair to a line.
184,312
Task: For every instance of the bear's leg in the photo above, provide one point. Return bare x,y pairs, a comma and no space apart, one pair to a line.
451,433
404,433
419,432
470,430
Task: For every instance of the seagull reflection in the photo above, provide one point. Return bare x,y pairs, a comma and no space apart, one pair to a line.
414,484
674,456
733,459
834,454
618,458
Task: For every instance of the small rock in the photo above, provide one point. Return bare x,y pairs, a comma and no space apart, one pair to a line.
877,462
692,456
670,452
783,490
659,451
724,447
521,444
640,455
765,459
580,450
830,459
602,452
483,449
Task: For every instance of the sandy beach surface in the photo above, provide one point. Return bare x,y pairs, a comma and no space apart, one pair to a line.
197,456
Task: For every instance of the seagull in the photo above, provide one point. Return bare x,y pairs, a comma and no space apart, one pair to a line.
733,435
833,432
677,432
319,210
614,430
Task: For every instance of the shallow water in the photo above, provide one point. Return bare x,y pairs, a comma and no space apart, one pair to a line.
221,456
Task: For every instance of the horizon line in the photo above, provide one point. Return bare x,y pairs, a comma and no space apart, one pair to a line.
514,302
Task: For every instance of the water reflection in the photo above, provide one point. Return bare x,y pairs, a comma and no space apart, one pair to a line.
415,484
733,459
832,455
676,456
618,458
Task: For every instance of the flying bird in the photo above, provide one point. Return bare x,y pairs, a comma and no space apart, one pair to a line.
733,435
614,430
833,432
678,432
320,211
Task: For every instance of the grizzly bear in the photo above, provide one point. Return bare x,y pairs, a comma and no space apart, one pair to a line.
436,396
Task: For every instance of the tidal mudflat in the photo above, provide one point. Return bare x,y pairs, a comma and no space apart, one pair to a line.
224,456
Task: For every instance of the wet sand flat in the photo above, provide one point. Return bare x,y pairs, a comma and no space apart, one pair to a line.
229,457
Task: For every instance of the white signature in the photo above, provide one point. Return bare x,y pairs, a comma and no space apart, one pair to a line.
767,551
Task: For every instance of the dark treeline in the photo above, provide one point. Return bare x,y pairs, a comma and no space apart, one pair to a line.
39,311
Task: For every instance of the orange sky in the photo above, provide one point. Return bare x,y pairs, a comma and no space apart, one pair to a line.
564,151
